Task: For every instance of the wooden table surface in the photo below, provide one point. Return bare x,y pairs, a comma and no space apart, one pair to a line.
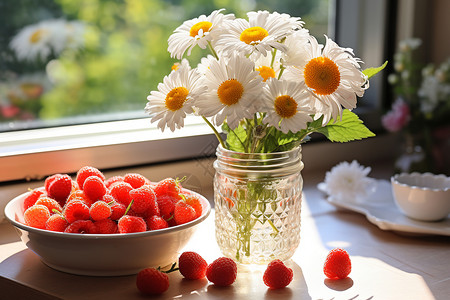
386,265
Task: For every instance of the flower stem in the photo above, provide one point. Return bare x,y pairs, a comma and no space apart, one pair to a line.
213,52
215,132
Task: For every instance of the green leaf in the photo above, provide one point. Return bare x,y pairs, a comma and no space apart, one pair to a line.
349,128
370,72
235,138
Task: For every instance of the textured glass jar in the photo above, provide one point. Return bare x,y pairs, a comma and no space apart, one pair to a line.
257,204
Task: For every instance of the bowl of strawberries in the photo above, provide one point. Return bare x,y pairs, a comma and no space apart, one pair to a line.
97,226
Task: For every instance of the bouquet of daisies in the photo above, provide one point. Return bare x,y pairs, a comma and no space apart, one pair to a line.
266,82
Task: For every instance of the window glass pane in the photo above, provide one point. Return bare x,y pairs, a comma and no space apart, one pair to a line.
80,61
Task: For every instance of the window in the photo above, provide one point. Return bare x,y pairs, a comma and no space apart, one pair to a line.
82,102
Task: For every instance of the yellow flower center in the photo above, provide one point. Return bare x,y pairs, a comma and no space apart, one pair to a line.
175,66
176,98
253,35
266,72
285,106
230,92
36,36
205,25
322,75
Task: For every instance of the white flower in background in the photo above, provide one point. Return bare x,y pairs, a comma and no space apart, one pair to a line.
33,42
259,35
332,76
435,87
348,182
173,99
297,48
233,89
409,44
287,106
198,31
183,64
46,38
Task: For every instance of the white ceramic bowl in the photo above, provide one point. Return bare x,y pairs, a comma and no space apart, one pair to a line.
424,197
104,254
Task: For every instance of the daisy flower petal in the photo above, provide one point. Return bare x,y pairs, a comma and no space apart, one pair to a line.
260,34
233,90
173,100
198,31
333,77
287,106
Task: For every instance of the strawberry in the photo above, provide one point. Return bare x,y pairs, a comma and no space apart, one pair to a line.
156,222
151,281
59,187
32,198
168,186
110,181
183,212
337,264
277,275
144,199
129,224
94,188
222,271
56,222
192,265
135,180
194,201
121,192
76,210
166,205
87,171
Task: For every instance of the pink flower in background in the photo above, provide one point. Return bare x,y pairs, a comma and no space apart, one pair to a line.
398,117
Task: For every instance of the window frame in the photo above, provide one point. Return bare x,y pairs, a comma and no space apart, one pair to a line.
34,154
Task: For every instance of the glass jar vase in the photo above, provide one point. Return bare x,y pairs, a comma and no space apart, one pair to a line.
257,204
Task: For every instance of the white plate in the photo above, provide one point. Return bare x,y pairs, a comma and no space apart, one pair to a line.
380,209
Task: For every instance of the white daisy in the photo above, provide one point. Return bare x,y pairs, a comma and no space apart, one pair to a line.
198,31
233,90
267,66
260,34
33,42
333,77
174,97
183,64
349,182
297,48
286,104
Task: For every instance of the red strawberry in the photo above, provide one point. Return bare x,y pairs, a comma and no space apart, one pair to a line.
106,226
121,192
32,198
100,210
50,203
59,187
129,224
156,222
337,264
168,186
76,210
118,210
81,226
166,205
183,212
110,181
143,199
94,188
36,216
56,222
87,171
222,271
152,281
277,275
136,180
194,201
192,265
